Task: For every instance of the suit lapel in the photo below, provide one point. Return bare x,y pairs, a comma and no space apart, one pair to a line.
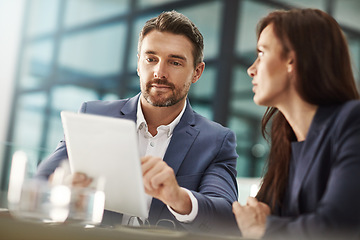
309,150
129,110
183,138
307,157
181,141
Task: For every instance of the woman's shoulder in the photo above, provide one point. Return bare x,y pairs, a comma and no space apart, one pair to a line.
350,109
348,117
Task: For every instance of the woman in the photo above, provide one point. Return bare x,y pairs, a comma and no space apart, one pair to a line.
312,185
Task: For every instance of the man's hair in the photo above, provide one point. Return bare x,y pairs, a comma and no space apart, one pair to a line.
176,23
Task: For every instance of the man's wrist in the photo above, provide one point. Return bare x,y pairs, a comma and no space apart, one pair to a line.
182,204
194,209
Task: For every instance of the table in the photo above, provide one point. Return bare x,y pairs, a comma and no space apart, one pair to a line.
14,229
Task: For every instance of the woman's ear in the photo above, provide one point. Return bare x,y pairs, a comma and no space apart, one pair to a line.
291,62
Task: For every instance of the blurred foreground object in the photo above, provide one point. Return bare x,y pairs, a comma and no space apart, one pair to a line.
52,202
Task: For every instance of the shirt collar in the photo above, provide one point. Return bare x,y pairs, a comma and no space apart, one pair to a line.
141,123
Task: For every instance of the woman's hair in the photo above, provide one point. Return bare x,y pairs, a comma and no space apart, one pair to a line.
176,23
324,77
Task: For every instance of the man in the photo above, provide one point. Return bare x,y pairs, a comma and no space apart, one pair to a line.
188,162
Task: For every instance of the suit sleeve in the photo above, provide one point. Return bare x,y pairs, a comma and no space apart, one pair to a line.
338,213
48,166
217,192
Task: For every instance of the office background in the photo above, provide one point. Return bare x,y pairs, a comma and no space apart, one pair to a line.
60,53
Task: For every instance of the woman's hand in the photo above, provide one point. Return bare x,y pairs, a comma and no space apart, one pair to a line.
251,218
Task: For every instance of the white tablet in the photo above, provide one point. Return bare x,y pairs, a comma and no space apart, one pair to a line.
107,147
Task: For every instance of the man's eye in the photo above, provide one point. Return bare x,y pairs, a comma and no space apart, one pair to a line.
176,63
260,54
150,60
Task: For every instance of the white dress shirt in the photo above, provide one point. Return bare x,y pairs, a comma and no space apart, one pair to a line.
156,146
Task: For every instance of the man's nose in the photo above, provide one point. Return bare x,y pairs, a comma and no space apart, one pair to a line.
161,70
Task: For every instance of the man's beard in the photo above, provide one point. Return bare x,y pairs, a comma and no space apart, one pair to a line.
158,100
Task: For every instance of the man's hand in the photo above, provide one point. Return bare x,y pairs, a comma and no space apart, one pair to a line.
251,218
76,180
80,180
160,182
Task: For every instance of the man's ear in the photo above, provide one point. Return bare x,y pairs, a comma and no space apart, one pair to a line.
198,72
137,69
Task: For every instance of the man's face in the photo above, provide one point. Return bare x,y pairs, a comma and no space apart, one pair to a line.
166,68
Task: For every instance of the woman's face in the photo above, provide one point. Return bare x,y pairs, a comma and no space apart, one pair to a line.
271,71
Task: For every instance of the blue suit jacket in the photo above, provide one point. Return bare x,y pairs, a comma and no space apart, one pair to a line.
323,201
202,154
